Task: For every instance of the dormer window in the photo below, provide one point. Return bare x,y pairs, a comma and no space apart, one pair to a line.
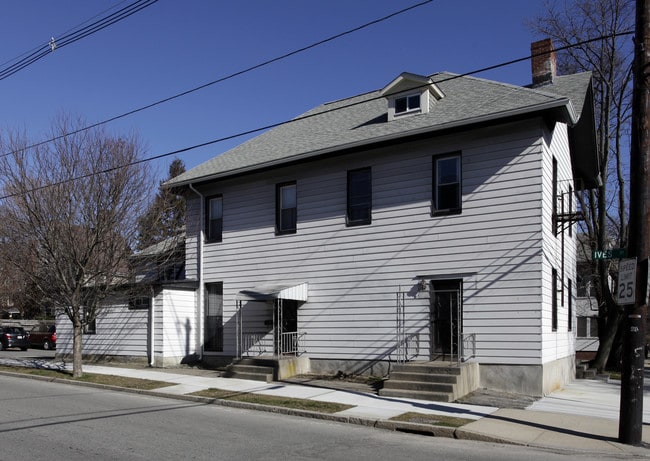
410,94
404,104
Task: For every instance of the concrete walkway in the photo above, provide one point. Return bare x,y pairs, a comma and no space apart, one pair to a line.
583,416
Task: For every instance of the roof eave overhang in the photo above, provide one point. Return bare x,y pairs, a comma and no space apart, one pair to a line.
561,110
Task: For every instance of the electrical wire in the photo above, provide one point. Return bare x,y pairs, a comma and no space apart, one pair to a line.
67,31
74,36
294,120
230,76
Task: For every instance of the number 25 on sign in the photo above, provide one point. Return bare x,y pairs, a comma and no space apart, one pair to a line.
625,288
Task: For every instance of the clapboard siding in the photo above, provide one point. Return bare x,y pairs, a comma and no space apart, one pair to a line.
354,273
179,323
561,342
119,331
124,332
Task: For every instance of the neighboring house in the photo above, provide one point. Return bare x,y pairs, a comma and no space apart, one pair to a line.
586,312
151,321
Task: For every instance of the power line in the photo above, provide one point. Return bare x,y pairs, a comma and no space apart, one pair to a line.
67,31
73,36
231,76
298,119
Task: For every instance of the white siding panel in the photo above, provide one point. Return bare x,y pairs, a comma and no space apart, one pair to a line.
179,323
355,272
120,331
558,255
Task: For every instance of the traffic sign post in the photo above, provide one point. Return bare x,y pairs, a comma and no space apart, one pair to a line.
626,286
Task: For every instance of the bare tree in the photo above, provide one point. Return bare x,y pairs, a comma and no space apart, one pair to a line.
610,59
69,215
165,218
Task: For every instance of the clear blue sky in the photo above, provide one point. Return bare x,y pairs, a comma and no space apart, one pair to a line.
175,45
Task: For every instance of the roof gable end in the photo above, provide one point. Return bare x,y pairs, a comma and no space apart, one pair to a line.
406,82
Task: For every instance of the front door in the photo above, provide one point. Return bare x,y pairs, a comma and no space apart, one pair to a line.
286,314
445,318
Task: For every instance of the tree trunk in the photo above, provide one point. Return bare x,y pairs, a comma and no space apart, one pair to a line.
614,319
77,348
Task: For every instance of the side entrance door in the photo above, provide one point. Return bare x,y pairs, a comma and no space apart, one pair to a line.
445,314
286,314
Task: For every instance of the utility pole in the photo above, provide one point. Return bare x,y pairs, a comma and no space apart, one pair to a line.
631,409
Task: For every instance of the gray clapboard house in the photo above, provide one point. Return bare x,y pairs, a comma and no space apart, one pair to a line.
430,220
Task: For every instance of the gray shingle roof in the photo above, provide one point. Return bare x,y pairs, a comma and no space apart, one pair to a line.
362,120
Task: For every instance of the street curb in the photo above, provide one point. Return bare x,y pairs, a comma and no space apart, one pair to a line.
429,430
384,424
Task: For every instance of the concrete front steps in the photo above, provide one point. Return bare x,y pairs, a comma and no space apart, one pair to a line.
254,369
584,372
267,369
431,381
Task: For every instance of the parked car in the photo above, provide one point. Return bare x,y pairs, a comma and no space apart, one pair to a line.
43,336
13,337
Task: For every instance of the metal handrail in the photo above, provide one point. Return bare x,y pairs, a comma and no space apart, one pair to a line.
256,343
468,346
291,343
408,347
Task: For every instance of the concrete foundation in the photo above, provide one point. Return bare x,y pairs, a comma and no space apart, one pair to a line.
537,380
292,366
350,367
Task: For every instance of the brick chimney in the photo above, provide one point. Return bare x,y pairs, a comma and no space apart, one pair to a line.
543,62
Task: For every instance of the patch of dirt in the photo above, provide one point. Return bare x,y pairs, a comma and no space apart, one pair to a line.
341,381
498,399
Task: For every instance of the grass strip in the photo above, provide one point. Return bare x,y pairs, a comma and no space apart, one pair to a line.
110,380
147,384
285,402
434,420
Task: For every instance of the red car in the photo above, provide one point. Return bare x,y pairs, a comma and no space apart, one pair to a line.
43,336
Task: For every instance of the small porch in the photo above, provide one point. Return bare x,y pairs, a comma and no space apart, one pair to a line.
268,333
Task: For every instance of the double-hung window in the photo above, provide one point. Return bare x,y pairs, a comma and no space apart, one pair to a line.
554,300
587,327
286,206
213,322
89,321
405,104
555,197
214,218
447,184
359,209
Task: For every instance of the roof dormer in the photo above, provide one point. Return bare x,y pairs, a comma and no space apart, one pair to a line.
410,94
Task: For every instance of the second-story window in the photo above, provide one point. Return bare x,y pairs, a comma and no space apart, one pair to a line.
214,218
447,184
286,206
359,210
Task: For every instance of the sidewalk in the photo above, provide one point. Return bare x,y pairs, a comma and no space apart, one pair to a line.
581,417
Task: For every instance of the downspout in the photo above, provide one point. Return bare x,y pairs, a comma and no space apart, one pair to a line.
152,326
199,257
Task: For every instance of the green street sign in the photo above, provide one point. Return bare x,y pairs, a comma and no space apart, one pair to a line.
616,253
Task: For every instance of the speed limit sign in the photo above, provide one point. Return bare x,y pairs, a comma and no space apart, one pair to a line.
625,288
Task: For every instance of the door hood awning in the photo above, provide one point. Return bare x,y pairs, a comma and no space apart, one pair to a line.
296,291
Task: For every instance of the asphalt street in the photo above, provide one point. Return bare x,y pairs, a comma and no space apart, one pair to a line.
54,421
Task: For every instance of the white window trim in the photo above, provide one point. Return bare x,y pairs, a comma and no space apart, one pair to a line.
424,105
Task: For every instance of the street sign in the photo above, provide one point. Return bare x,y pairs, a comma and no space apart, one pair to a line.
626,286
616,253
